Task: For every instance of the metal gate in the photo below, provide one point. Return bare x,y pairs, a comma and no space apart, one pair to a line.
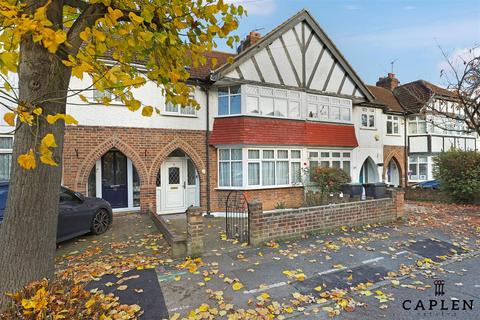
237,219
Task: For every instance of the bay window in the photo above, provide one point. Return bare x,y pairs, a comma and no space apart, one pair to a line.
263,167
418,167
272,102
229,100
328,108
6,145
393,125
230,168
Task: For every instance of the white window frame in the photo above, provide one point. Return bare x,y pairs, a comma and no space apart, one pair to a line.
415,160
7,150
180,111
230,161
320,108
291,159
258,93
321,158
393,120
229,95
417,120
369,113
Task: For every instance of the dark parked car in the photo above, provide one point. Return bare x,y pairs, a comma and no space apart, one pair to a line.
431,184
77,214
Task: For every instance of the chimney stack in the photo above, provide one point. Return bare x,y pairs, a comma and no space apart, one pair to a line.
389,82
252,38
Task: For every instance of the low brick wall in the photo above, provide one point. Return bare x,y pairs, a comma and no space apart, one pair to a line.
425,195
291,223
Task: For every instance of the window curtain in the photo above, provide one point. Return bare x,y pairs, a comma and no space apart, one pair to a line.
224,175
253,174
296,178
268,173
236,174
282,172
5,162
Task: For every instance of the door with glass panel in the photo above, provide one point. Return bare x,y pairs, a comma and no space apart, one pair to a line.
175,185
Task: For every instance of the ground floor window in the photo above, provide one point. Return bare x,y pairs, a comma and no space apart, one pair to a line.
258,167
6,144
418,167
330,159
230,168
273,167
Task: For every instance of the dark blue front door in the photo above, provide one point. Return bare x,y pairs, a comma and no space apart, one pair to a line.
114,179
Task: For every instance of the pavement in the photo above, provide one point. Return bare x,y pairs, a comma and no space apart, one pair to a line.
370,272
385,257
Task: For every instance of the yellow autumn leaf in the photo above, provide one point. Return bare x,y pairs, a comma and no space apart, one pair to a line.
47,158
237,286
318,288
122,287
49,141
9,118
37,111
203,307
90,302
27,161
134,18
147,111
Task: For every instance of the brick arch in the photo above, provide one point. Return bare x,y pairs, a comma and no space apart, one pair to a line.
395,155
169,148
100,150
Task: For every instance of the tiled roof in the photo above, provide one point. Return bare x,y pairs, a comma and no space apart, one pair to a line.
413,96
386,97
268,131
203,72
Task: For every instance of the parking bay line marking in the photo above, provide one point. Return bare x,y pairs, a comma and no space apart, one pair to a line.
275,285
372,260
331,271
400,252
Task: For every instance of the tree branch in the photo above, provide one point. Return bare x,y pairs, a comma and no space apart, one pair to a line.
76,4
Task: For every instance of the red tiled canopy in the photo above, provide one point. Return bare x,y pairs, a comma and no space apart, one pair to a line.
267,131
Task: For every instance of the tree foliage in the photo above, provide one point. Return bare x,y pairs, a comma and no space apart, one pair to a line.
459,174
462,76
120,44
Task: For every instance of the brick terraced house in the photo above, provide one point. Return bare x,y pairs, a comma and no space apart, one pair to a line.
288,101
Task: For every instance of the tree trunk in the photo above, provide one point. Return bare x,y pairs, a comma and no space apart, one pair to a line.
28,233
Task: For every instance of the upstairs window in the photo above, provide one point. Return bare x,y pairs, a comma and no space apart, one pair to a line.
368,118
393,125
417,125
178,110
229,100
273,102
328,108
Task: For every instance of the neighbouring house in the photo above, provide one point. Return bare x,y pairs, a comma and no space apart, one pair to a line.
288,101
428,132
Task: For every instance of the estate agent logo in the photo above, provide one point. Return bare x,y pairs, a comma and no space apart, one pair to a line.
438,307
439,287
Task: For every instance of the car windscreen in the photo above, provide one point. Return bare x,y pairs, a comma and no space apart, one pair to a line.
3,197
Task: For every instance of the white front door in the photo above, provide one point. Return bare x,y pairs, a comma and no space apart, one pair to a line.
174,191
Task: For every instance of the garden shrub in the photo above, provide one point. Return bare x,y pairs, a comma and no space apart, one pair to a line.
328,180
459,175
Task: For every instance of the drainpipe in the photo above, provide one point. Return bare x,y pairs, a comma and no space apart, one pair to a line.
207,149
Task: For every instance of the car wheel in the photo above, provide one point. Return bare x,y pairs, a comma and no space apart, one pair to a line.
101,221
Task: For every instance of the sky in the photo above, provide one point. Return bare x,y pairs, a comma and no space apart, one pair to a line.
373,33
